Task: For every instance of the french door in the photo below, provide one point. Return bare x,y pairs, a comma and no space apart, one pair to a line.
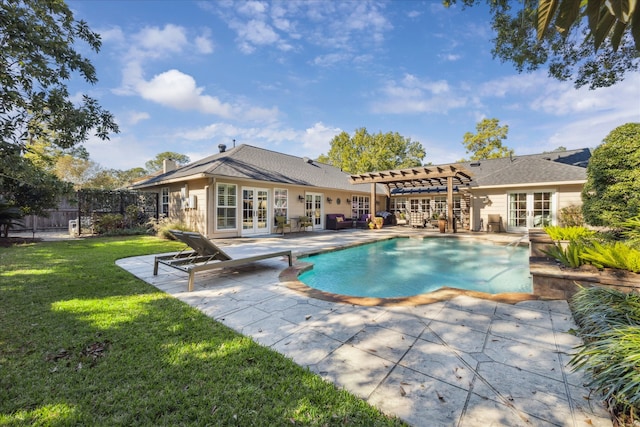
255,212
530,210
314,209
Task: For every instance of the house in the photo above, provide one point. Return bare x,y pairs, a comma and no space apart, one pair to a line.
238,192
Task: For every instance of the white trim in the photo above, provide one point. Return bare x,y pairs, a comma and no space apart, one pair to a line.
515,187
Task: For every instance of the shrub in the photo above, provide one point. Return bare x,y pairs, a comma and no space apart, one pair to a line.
108,223
568,233
162,227
631,231
569,257
10,216
609,323
617,255
571,216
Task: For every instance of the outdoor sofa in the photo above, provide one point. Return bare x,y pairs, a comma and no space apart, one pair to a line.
338,222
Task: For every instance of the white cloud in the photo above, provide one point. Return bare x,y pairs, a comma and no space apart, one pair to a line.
563,99
112,35
156,42
203,43
413,95
451,57
316,140
134,117
342,26
330,59
178,90
120,152
310,142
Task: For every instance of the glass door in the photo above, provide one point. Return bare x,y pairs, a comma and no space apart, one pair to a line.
517,212
255,202
530,210
314,209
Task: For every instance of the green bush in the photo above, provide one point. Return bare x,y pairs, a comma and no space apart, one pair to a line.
609,323
613,255
569,257
571,216
631,231
162,227
108,223
568,233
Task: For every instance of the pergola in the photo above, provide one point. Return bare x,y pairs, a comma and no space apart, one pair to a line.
426,177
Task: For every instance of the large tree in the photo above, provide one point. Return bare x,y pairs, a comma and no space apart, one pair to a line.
364,152
591,42
611,194
487,142
155,165
38,42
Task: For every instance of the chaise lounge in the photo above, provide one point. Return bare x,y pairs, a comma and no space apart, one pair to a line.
205,256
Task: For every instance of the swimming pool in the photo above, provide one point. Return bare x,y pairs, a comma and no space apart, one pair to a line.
405,267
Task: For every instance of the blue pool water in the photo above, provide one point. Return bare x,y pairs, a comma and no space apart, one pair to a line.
406,267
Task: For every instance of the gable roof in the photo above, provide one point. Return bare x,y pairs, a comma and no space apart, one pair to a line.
558,166
254,163
249,162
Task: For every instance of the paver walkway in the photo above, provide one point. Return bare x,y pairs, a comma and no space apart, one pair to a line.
462,362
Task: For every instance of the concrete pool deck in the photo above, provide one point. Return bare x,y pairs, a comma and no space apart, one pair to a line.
458,361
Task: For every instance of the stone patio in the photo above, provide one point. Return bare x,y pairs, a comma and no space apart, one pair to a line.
463,361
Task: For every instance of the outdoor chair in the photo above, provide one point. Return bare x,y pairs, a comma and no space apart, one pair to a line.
205,255
304,222
494,223
416,219
281,223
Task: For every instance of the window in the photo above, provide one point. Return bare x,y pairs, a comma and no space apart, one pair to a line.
399,205
164,202
420,205
440,205
226,206
359,206
280,202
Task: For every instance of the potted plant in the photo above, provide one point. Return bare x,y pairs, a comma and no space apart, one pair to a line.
442,223
378,221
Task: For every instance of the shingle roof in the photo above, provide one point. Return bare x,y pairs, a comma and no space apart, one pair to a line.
558,166
249,162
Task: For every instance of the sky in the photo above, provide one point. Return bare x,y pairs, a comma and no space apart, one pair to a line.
186,76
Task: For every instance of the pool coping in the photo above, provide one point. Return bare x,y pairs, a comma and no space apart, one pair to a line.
289,277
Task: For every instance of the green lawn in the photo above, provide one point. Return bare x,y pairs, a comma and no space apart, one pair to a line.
83,342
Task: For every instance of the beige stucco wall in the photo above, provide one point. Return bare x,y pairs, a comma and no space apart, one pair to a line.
495,201
203,217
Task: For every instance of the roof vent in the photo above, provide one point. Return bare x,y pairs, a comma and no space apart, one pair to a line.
475,164
222,148
307,160
546,158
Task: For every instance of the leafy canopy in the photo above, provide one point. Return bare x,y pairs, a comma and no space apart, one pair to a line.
487,142
592,42
155,165
37,58
38,39
364,152
611,194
